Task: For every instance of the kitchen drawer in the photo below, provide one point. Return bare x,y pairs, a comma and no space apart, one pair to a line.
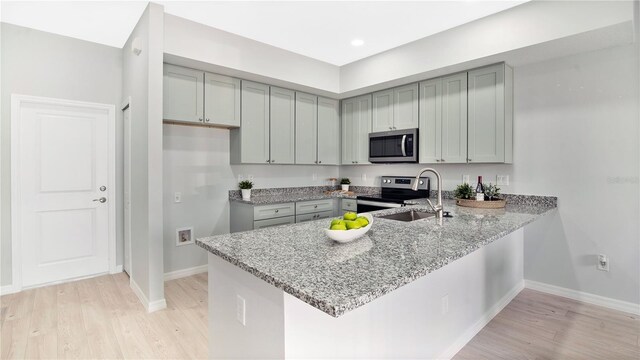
261,224
273,211
314,206
349,205
315,216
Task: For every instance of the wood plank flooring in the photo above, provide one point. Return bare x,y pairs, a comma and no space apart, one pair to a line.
101,318
536,325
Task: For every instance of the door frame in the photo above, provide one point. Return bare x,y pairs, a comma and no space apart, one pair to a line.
16,237
126,127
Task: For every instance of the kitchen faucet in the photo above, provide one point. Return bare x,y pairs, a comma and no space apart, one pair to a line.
438,207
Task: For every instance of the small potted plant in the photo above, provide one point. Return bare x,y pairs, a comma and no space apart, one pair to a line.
345,182
245,187
491,192
464,191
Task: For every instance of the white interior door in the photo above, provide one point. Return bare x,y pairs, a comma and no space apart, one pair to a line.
62,189
127,190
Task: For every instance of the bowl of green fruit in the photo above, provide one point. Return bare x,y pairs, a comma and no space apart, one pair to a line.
350,227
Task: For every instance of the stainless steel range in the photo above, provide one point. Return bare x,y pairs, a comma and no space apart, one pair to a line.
395,190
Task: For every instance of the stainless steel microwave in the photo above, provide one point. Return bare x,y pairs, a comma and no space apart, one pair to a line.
397,146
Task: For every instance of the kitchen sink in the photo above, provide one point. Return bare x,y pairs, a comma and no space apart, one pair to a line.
409,215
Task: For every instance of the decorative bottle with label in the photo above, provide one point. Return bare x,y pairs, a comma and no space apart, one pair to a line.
480,190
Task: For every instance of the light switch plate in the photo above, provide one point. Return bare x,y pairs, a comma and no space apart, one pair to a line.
240,178
177,197
465,179
502,180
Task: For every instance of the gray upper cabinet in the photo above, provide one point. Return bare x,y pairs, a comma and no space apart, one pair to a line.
405,107
356,126
328,131
282,129
193,96
306,128
490,114
395,109
221,100
382,115
430,133
183,94
443,120
454,119
250,143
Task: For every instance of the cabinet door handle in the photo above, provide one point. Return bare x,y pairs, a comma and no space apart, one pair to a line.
437,160
200,119
442,160
207,119
319,161
315,206
277,211
273,161
268,161
469,160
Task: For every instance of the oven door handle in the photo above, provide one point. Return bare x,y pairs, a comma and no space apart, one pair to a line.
380,204
403,146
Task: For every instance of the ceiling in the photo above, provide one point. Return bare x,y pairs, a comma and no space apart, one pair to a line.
323,30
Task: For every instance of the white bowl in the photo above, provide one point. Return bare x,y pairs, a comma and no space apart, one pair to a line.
343,236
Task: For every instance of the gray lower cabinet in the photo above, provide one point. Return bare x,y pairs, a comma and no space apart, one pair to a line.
244,217
261,224
348,205
198,97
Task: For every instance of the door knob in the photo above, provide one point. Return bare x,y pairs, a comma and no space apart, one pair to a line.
102,199
103,188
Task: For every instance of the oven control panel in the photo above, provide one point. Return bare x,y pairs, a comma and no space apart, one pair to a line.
404,182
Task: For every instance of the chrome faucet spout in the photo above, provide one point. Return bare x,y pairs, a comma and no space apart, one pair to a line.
438,207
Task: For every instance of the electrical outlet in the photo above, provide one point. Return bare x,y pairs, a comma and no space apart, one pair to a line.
241,310
250,178
240,178
445,304
315,176
603,262
502,180
177,197
465,179
364,177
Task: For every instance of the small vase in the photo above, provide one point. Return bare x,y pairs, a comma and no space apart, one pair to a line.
345,187
246,194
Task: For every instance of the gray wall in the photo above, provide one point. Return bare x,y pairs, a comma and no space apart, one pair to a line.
43,64
576,136
142,82
196,164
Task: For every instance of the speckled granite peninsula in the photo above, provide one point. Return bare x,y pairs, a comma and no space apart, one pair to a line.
337,278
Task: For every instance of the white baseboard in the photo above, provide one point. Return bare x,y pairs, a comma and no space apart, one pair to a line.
474,329
588,298
185,272
150,306
117,269
7,289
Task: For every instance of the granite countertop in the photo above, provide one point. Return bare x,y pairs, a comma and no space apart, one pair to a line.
285,195
337,278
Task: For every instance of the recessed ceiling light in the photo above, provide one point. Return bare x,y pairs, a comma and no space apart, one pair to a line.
357,42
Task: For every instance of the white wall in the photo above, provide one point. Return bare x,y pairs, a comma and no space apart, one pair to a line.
521,27
245,58
43,64
142,81
576,136
196,164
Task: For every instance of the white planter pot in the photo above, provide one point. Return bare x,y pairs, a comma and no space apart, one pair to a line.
345,187
246,194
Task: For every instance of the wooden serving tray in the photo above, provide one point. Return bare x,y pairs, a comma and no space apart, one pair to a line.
487,204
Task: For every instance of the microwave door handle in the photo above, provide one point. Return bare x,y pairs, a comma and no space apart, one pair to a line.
404,150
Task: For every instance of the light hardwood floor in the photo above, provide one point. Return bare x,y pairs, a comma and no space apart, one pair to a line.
536,325
102,318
